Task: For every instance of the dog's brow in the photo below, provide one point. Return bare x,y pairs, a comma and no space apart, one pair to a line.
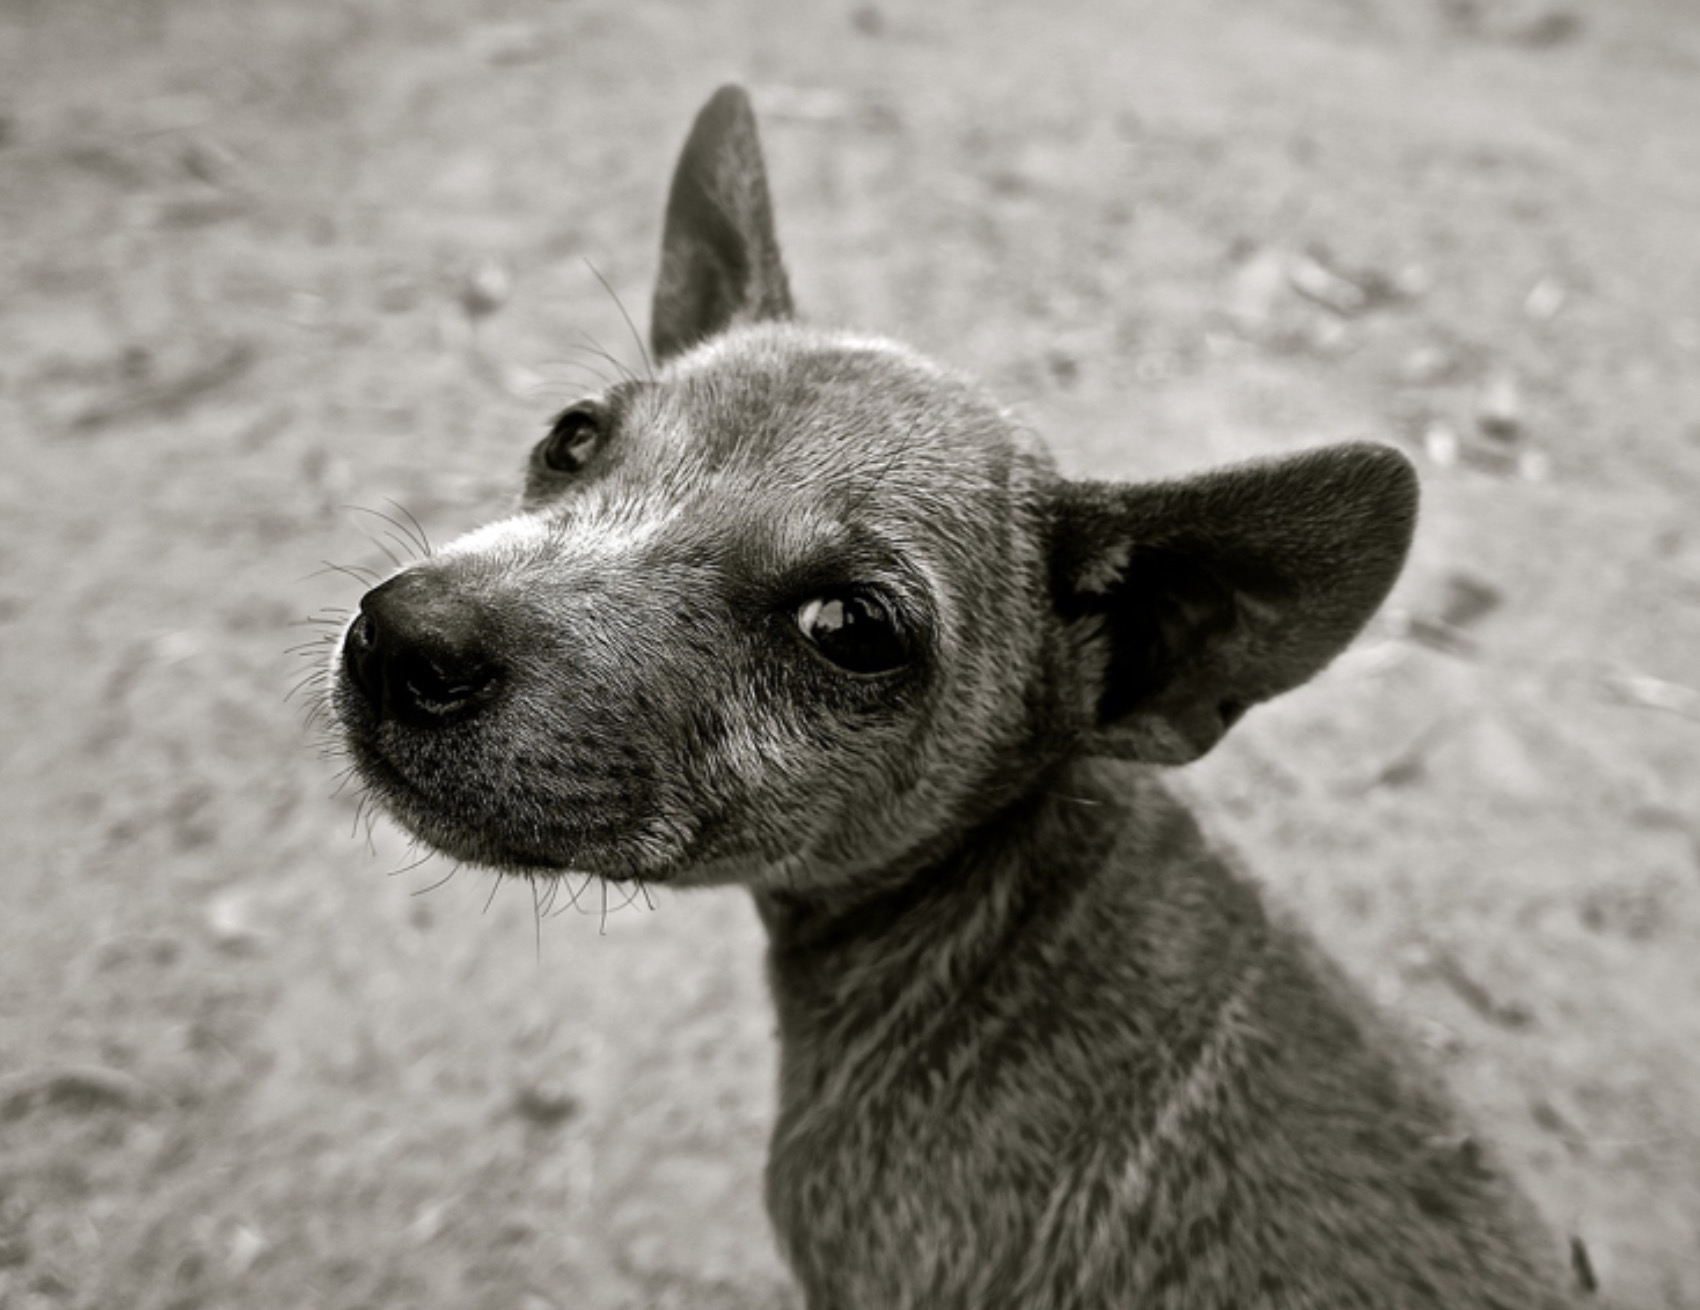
620,396
615,399
836,553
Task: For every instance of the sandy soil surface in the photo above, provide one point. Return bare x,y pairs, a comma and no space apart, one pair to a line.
260,263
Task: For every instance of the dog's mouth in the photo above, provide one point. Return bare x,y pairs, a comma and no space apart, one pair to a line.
514,839
438,812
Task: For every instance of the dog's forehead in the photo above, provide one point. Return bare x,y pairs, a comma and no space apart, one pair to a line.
802,444
803,404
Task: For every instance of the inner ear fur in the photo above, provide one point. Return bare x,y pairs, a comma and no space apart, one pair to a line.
1193,600
720,262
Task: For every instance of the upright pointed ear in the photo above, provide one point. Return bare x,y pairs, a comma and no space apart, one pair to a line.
1192,601
720,260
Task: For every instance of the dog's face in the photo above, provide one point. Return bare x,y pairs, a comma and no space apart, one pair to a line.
802,604
767,617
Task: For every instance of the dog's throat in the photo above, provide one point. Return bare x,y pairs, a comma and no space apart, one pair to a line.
1010,875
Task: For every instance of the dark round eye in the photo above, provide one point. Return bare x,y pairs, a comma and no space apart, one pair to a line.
572,439
855,630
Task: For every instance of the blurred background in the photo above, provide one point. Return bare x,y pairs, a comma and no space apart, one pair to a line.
263,263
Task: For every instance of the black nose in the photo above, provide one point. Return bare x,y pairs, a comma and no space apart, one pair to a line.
419,651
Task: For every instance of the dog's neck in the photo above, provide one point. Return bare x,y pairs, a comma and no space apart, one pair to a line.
1024,874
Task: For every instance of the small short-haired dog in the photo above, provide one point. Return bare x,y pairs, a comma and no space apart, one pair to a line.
807,612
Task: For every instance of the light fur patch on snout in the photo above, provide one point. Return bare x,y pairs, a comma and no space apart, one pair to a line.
609,534
602,530
506,541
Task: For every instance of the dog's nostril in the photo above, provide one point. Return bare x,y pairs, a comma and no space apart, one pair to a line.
440,688
360,661
361,636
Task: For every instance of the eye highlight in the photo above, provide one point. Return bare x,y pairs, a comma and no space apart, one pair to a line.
573,438
855,629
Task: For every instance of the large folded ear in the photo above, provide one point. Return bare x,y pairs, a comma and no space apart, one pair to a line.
1191,601
720,260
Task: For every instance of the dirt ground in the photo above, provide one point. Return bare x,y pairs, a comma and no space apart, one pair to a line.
261,263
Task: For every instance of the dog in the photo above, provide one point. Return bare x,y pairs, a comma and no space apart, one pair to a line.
807,612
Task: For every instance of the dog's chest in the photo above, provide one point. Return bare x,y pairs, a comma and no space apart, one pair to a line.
892,1202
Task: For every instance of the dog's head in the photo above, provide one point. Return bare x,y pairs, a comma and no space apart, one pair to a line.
803,604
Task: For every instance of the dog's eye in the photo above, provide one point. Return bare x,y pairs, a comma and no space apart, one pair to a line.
855,630
572,440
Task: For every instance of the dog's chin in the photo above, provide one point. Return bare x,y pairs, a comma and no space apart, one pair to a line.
622,862
513,857
522,855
